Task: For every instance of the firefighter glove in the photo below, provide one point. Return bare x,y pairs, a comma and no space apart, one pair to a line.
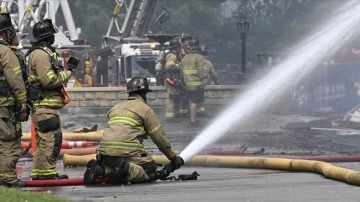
68,74
23,112
177,161
72,63
164,173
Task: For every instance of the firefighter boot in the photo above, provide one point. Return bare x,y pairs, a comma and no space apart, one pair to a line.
16,184
93,171
119,173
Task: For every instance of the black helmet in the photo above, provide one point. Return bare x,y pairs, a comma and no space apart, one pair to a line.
185,36
174,43
204,49
5,21
194,44
138,84
42,30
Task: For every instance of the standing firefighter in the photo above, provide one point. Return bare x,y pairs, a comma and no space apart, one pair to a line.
121,153
47,94
184,104
209,69
12,105
194,76
185,38
173,84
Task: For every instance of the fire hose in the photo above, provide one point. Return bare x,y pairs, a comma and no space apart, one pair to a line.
61,182
94,136
327,169
67,144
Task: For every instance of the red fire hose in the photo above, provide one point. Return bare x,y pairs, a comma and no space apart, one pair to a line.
62,182
68,144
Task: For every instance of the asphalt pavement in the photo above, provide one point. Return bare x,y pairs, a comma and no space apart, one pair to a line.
225,184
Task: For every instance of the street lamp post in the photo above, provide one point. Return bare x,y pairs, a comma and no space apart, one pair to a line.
243,28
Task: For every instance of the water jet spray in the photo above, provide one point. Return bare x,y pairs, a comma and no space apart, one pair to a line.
300,62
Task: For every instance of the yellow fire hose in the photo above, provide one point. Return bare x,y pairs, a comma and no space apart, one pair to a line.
89,136
328,170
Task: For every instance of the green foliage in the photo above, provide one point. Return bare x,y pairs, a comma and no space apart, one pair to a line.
274,24
93,16
15,195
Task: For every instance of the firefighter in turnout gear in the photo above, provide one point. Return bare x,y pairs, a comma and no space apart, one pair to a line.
12,105
184,41
46,78
194,76
172,81
121,155
209,68
184,105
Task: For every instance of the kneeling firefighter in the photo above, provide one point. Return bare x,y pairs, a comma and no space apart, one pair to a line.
121,155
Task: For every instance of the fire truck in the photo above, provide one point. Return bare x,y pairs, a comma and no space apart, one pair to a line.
25,13
131,51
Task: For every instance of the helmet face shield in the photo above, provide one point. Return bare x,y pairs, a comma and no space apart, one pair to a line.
138,84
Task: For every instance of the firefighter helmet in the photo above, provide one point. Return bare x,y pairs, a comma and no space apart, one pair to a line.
5,21
185,36
42,30
138,84
174,43
194,44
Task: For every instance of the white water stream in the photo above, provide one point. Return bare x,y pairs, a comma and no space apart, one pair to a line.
302,59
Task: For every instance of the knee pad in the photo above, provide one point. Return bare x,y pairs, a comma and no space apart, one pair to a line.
57,143
119,173
50,124
149,167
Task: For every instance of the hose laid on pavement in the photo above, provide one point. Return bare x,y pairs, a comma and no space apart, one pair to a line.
61,182
78,152
67,144
327,169
94,136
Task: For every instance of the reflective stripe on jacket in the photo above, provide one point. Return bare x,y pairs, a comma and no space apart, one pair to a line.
11,73
42,64
193,71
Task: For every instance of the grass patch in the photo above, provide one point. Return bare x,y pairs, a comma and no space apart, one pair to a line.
17,195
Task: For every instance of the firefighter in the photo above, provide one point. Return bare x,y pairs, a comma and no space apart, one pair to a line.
209,68
47,78
172,81
121,154
184,40
184,103
194,76
12,105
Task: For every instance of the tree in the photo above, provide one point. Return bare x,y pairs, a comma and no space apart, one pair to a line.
275,24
